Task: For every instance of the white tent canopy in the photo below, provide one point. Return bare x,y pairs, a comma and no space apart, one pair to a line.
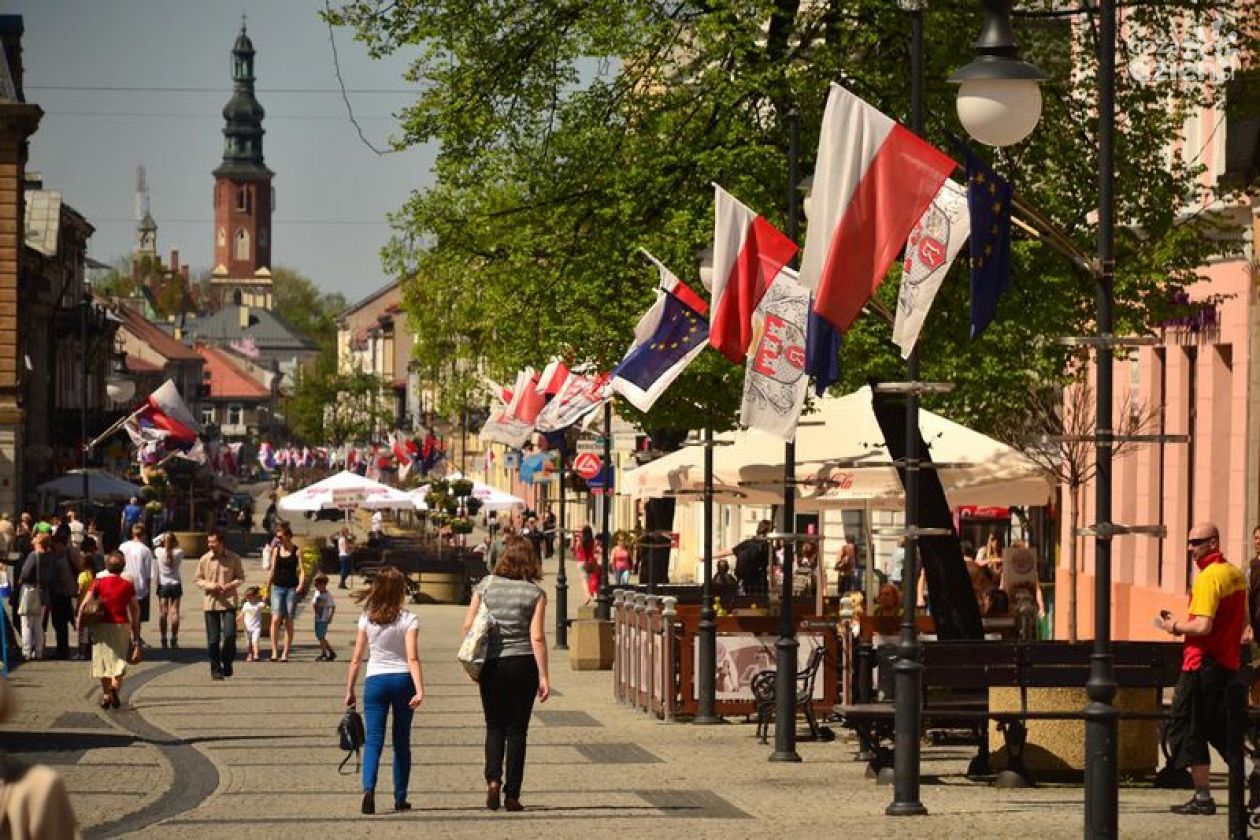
845,429
491,498
345,490
102,486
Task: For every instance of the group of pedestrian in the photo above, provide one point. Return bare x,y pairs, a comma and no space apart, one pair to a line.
514,674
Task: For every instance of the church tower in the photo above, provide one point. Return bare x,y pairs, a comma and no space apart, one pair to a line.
243,195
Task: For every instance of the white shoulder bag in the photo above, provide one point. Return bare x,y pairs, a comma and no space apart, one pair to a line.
472,651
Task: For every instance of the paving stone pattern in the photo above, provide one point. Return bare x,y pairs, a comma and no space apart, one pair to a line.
188,757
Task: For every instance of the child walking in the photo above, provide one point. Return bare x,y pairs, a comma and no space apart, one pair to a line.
324,608
251,617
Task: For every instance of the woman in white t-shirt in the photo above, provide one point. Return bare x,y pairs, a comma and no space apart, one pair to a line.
390,636
170,588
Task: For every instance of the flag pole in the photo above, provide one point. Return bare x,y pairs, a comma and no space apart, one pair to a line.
787,646
908,672
88,447
603,601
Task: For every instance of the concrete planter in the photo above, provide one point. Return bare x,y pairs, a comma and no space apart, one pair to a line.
441,587
591,645
1056,748
192,543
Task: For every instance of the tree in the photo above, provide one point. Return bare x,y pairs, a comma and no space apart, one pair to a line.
571,133
1056,432
300,302
336,407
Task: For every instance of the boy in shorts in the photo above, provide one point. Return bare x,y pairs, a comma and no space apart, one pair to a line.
323,607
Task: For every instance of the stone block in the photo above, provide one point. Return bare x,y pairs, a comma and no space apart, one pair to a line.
1056,748
192,543
586,611
591,645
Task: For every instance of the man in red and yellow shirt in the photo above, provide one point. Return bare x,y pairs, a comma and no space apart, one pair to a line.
1213,633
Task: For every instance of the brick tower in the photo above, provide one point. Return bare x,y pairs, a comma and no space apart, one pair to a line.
243,195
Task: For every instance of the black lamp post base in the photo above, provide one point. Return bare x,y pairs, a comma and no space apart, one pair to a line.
790,757
906,809
708,720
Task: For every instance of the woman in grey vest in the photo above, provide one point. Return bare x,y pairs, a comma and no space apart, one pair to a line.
516,665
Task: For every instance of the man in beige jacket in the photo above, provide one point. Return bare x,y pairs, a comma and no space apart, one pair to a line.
220,575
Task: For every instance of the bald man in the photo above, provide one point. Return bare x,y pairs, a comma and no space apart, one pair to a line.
1213,633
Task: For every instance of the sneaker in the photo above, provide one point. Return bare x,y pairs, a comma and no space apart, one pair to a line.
216,675
227,670
323,657
1196,807
332,654
163,643
369,802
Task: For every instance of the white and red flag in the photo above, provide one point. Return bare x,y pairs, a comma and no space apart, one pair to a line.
526,402
165,410
872,181
775,379
930,251
748,253
579,396
551,380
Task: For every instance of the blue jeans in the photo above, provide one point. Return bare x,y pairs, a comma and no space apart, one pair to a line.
283,601
379,694
344,560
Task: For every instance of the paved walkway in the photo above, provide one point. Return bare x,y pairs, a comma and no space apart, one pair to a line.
188,757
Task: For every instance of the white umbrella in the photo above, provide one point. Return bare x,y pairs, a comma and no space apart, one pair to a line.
845,429
491,498
102,486
345,491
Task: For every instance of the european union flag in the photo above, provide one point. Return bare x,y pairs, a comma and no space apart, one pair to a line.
989,200
670,335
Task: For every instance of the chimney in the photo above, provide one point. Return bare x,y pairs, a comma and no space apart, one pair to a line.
174,261
244,311
183,271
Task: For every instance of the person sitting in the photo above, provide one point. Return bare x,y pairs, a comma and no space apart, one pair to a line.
888,601
725,584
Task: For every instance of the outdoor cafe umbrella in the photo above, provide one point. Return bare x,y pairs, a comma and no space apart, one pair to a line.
345,491
843,462
102,486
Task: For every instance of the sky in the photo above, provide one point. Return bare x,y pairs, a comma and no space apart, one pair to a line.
98,69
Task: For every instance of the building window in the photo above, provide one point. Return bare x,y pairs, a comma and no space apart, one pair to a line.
241,249
222,237
242,199
207,415
234,414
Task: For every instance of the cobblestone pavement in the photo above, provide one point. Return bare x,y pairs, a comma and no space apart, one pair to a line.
188,757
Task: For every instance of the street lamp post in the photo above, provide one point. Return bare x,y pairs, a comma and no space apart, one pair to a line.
562,578
787,646
908,671
603,601
706,631
85,306
1101,716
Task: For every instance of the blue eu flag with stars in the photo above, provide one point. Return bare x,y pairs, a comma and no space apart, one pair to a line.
989,200
679,332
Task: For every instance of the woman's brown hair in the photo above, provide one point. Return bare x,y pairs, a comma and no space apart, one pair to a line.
382,602
518,560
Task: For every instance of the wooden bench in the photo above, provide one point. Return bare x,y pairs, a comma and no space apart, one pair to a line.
967,670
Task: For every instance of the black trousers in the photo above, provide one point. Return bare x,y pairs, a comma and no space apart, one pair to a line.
221,640
61,613
508,688
1199,714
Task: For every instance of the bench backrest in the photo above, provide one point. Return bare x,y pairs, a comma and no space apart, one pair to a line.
1045,664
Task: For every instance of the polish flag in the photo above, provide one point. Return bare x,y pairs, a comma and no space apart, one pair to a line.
526,402
748,253
165,410
872,182
551,380
670,283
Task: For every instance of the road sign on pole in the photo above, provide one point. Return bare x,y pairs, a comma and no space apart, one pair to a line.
587,465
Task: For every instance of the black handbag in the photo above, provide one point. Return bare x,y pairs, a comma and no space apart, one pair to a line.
350,735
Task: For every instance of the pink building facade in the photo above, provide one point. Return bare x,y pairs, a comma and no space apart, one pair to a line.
1199,381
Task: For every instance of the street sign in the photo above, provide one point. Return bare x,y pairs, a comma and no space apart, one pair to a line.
587,465
588,444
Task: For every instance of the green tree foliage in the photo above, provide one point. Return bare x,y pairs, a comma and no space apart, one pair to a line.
572,132
335,407
300,302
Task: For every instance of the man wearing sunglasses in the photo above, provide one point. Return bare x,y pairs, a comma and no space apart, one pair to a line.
1213,633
